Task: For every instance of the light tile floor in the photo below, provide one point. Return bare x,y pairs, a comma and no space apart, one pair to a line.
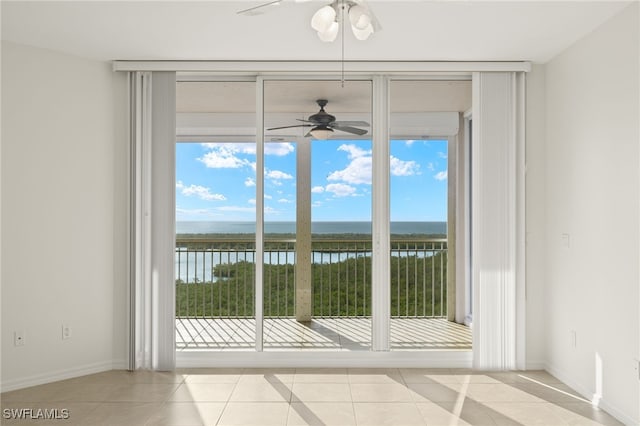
309,397
340,333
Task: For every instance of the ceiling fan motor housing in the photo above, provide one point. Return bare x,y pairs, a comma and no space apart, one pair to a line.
322,117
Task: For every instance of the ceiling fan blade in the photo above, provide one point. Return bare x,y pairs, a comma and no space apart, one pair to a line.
259,9
288,127
348,129
350,123
305,121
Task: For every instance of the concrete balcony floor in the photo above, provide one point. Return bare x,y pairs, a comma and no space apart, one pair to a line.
335,333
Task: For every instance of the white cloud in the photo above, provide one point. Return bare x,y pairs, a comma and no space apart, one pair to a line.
403,168
354,151
284,200
232,147
223,159
431,167
358,171
225,155
442,155
252,201
340,189
441,175
249,182
317,189
277,174
409,142
280,149
316,204
276,148
267,197
199,191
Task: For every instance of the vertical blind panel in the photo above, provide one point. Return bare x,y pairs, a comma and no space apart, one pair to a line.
494,220
153,153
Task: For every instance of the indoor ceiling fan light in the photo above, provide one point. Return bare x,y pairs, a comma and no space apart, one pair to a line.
362,34
330,33
323,18
321,132
359,17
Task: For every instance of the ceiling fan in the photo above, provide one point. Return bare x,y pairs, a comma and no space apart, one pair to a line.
323,124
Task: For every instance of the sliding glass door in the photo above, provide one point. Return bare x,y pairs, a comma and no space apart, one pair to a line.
275,232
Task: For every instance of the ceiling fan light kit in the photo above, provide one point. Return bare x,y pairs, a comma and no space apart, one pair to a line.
321,132
323,18
330,33
326,20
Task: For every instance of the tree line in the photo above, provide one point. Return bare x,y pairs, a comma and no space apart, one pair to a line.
340,288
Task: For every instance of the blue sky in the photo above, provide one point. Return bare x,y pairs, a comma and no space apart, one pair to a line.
216,181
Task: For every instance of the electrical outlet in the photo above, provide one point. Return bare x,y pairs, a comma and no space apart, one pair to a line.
66,332
18,338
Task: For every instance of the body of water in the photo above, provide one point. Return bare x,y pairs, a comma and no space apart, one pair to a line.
429,228
192,265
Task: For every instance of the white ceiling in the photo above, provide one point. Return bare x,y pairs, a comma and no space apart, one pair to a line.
223,109
284,96
211,30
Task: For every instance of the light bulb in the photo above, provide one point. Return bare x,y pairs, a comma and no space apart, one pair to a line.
330,33
321,132
359,17
323,18
362,34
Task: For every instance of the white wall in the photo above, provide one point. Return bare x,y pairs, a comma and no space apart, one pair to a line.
535,217
64,165
592,195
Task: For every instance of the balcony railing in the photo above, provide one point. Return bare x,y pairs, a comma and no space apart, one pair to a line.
216,278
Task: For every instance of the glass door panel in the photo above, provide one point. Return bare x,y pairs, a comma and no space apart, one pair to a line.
317,193
279,289
424,121
215,216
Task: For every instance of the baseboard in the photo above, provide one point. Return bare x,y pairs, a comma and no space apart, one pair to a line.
354,359
536,365
583,390
54,376
120,364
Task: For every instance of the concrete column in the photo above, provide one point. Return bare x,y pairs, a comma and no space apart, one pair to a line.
303,231
452,214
